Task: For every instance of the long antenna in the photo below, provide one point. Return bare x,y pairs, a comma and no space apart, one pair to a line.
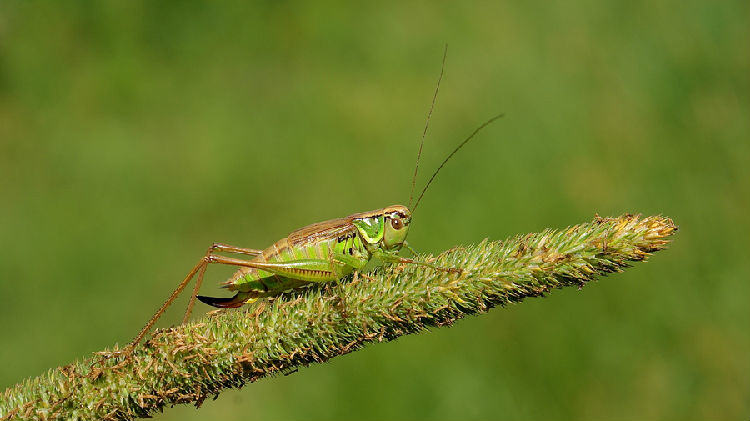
485,124
427,124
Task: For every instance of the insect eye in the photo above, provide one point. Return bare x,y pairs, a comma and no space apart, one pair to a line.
396,224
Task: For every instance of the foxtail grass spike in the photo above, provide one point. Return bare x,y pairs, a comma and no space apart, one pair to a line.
193,361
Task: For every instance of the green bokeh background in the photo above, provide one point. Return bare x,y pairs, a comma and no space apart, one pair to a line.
134,134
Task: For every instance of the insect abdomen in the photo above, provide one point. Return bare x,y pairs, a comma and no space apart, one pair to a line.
264,283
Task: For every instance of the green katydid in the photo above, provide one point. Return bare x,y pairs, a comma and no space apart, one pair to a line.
322,252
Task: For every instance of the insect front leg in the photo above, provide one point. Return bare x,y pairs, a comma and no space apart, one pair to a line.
411,250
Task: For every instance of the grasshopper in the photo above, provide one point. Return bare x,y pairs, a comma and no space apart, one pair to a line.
318,253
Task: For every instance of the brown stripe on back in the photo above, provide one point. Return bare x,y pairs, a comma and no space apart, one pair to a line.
337,227
321,231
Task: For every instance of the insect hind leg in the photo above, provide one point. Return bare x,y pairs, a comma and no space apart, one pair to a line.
200,270
200,267
215,247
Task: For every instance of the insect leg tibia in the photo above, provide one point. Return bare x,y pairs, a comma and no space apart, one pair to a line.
232,249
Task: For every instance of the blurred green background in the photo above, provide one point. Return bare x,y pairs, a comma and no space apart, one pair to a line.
134,134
